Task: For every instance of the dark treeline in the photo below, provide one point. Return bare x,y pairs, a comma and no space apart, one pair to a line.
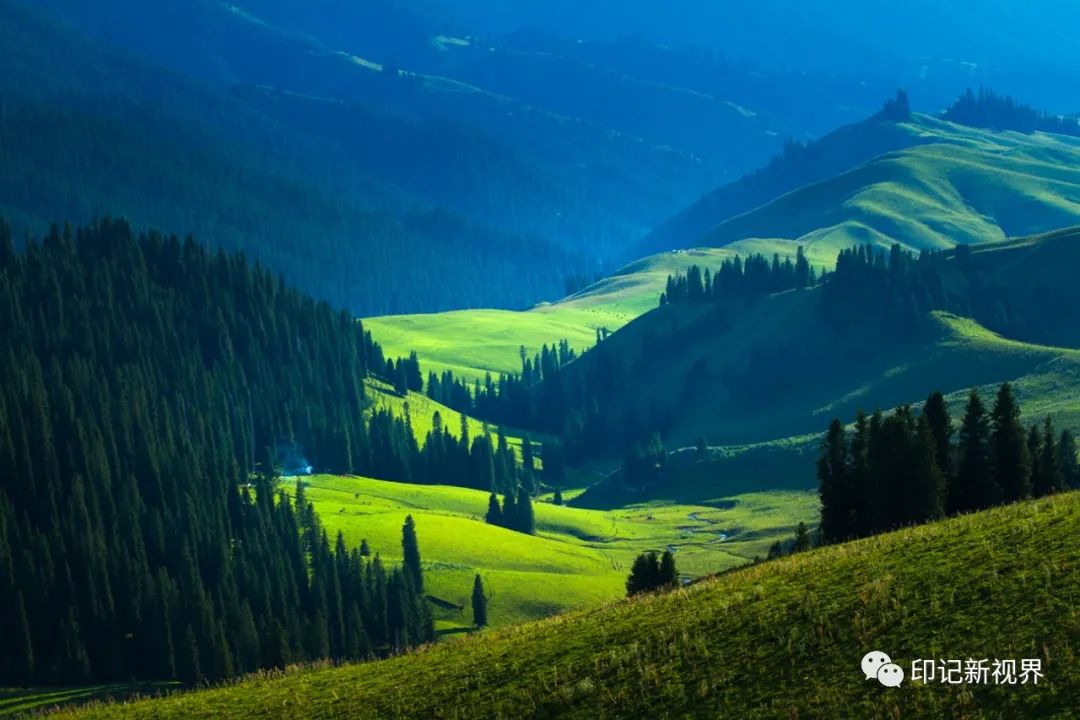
907,467
145,390
740,279
898,289
998,112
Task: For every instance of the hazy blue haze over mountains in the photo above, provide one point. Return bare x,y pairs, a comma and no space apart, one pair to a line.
549,138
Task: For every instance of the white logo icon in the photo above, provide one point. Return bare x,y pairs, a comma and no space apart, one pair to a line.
890,675
876,664
872,662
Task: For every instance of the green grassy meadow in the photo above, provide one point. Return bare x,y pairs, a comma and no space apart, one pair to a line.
779,639
578,558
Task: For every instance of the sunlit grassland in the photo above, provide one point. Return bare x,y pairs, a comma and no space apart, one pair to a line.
471,343
780,639
578,558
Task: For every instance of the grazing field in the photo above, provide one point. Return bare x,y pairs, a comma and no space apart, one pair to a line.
780,639
578,558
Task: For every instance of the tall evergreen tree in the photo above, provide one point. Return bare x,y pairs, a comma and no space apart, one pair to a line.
644,574
974,486
494,514
1051,477
524,519
410,548
833,486
1009,455
668,576
802,538
479,604
936,411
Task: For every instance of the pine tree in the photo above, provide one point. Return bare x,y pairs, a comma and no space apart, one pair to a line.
776,550
833,485
974,486
1051,478
494,514
644,574
802,538
928,480
802,269
558,496
410,547
1009,449
479,604
668,574
525,520
937,415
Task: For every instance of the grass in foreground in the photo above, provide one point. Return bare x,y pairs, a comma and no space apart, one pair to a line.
782,639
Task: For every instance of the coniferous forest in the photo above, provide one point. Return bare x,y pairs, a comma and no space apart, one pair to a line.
911,467
150,389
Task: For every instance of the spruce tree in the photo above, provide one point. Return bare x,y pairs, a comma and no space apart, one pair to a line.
668,574
525,520
479,604
644,574
776,550
833,485
802,538
1051,477
1009,449
494,514
410,547
974,486
558,500
937,415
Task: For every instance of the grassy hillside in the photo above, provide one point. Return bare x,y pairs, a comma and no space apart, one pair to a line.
579,558
958,185
473,342
782,639
761,382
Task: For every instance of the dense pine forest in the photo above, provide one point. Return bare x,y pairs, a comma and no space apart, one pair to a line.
151,390
905,468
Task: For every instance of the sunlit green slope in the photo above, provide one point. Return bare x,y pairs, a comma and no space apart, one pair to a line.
782,639
578,558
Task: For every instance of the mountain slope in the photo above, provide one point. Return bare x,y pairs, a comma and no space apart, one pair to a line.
88,131
948,184
780,639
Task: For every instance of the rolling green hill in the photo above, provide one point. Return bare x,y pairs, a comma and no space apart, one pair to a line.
759,382
953,185
578,558
473,342
781,639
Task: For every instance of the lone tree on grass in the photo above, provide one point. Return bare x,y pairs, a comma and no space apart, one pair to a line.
479,603
411,554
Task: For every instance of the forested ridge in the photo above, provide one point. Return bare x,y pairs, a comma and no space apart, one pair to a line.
317,191
148,391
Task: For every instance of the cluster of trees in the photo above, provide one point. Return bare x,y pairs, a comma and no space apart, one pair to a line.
736,278
509,399
906,467
145,386
514,513
987,109
650,573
